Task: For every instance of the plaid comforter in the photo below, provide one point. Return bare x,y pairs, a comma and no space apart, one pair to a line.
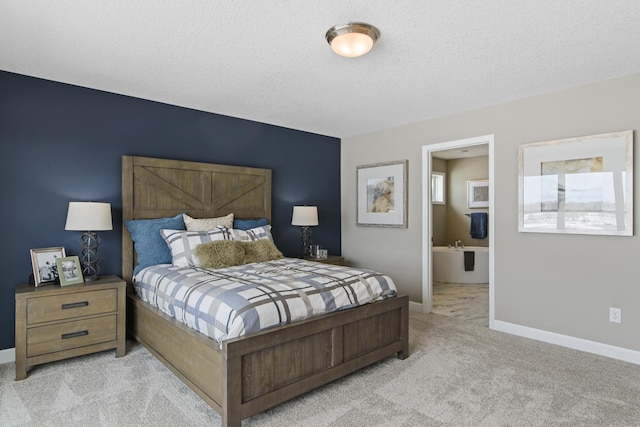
231,302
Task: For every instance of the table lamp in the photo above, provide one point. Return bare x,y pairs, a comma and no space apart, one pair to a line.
89,217
305,217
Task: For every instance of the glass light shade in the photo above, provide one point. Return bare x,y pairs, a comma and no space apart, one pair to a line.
352,45
89,216
305,216
352,39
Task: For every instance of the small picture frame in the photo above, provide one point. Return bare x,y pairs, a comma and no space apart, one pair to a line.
44,264
69,271
478,193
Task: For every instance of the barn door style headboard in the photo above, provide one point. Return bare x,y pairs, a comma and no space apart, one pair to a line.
158,188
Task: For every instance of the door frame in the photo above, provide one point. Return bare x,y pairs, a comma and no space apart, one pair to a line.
427,222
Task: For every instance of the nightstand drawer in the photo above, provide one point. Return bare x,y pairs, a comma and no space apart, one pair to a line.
78,333
71,305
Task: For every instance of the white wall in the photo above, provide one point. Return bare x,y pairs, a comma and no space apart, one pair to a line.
559,283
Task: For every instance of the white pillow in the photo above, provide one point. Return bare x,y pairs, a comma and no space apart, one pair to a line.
205,224
251,235
182,244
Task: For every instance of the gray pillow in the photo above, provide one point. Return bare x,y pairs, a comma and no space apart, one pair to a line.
205,224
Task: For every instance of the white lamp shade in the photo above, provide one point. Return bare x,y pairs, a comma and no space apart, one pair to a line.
89,216
305,216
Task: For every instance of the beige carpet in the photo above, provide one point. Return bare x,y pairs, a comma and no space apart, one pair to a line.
458,374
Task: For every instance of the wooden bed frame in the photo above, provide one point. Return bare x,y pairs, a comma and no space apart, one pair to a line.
246,375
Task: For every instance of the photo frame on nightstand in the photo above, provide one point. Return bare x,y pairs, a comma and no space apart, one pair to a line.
69,271
45,267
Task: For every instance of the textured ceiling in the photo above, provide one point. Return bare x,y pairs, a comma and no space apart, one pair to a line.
268,60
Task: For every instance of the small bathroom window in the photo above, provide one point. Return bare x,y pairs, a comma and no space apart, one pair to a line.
437,188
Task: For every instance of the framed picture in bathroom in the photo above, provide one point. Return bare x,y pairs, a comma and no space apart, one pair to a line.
581,185
382,194
478,193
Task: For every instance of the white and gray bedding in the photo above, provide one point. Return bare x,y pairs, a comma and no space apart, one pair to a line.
235,301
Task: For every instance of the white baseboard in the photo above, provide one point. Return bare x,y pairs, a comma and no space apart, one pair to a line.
7,356
601,349
415,306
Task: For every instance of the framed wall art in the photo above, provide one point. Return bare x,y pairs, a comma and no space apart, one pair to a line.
69,271
581,185
478,193
43,262
382,194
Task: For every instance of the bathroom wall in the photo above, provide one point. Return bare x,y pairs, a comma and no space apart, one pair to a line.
440,211
459,171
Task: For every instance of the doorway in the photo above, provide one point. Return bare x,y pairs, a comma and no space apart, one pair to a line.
482,145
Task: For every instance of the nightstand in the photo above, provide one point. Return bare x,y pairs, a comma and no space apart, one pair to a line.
331,259
56,322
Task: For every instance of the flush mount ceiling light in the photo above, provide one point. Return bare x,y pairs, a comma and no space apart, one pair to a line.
352,39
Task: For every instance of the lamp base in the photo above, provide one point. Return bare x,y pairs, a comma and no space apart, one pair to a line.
89,256
305,239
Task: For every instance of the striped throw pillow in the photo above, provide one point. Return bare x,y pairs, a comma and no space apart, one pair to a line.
182,244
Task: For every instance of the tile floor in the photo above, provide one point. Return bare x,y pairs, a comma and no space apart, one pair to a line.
465,301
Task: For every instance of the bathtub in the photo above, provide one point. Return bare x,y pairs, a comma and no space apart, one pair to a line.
448,265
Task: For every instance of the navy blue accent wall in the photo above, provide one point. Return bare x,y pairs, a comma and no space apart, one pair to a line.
62,143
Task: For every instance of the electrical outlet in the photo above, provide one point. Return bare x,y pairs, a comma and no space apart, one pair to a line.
615,315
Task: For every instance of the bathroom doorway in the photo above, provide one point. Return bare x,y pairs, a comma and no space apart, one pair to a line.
471,164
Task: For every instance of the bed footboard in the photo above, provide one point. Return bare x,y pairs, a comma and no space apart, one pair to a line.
256,372
268,368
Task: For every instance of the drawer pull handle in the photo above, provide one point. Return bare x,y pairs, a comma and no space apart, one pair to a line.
75,305
74,334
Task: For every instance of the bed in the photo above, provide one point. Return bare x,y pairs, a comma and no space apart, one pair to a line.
246,375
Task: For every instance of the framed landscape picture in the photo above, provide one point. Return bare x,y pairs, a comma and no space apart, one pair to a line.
382,194
581,185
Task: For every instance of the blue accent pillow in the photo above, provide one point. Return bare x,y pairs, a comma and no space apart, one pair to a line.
248,224
148,242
